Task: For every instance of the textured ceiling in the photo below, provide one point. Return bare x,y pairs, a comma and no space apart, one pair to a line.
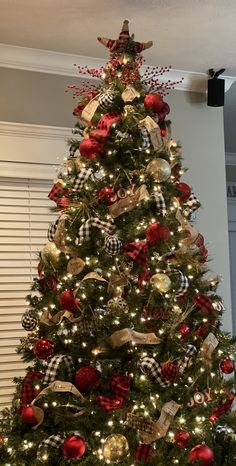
191,35
188,34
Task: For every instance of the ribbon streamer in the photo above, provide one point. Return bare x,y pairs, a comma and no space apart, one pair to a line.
194,238
28,391
54,367
120,386
151,430
160,202
137,250
90,109
208,346
85,229
81,178
129,94
127,335
85,324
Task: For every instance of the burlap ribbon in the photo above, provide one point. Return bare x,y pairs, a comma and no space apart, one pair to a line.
90,109
193,238
127,335
208,346
154,131
84,323
151,430
56,386
129,94
128,203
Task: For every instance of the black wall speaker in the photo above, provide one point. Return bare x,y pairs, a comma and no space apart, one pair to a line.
216,93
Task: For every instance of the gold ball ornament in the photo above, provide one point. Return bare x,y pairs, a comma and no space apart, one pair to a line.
117,306
50,254
161,281
75,265
115,448
160,169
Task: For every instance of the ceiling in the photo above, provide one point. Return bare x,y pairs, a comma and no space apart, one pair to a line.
191,35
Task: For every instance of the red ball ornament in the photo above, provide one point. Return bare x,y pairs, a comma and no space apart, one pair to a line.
43,349
106,194
154,102
169,371
181,438
185,191
227,366
74,447
68,301
28,415
87,378
90,148
202,455
157,232
184,329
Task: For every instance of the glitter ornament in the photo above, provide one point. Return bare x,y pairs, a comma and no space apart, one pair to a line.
43,349
185,191
181,438
227,366
115,448
159,169
161,281
87,378
201,455
156,232
74,447
117,306
75,265
28,322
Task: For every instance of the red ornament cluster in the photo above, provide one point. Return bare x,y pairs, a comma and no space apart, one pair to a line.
156,103
68,301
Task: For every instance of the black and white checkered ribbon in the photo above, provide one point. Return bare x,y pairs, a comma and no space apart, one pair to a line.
106,100
184,284
54,441
146,142
54,366
72,151
112,244
52,230
191,350
85,229
151,367
81,178
160,202
192,204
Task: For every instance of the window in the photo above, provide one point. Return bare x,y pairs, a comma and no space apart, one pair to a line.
24,219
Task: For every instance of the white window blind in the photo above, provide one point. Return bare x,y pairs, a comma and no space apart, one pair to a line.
24,218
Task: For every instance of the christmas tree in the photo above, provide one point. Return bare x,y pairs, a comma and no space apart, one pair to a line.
127,360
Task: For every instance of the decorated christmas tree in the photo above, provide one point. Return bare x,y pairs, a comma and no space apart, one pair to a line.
126,357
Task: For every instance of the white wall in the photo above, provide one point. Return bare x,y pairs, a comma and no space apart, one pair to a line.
30,97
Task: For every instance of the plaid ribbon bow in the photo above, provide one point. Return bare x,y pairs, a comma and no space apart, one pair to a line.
57,192
52,230
192,204
143,452
137,251
104,126
199,242
204,303
224,408
54,441
145,138
151,367
184,284
54,367
29,392
191,350
85,229
160,202
120,385
81,178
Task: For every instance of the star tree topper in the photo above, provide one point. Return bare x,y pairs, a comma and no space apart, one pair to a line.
125,43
